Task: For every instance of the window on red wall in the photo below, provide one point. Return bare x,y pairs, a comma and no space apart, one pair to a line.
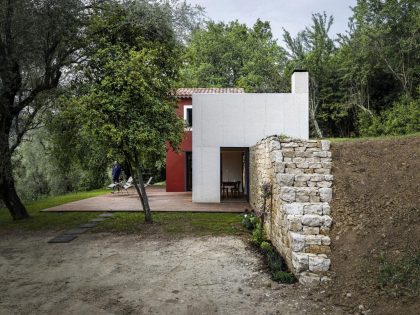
188,116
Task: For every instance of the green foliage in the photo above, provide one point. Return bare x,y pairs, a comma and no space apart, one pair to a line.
258,234
283,277
402,118
266,247
403,273
128,105
249,220
42,221
233,55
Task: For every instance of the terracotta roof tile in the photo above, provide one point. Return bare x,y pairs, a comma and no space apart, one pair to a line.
188,92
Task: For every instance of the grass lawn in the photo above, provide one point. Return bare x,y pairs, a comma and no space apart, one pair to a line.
49,220
122,222
338,140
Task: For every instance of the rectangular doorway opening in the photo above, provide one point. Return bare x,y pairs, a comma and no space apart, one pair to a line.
188,171
234,174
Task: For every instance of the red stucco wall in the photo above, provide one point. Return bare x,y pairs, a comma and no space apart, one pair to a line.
175,162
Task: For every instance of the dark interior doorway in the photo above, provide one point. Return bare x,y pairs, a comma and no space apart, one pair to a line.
188,171
234,174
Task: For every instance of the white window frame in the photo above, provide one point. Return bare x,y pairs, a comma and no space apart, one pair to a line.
186,107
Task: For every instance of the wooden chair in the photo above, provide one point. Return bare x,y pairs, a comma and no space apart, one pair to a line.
235,189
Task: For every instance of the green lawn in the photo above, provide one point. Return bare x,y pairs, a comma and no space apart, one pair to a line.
174,223
122,222
338,140
50,220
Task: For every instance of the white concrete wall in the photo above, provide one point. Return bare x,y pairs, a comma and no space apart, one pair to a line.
241,120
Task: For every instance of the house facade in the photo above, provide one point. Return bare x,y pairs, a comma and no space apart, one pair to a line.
223,124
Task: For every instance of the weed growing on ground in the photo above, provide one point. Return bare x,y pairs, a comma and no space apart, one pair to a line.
403,274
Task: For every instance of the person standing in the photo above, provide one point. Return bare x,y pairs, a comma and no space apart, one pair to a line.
116,173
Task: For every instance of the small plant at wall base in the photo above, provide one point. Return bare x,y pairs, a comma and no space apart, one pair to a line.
273,259
249,220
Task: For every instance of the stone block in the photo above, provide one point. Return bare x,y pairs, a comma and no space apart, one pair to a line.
325,145
326,240
278,167
302,194
315,165
319,263
289,145
285,179
317,178
298,160
326,209
312,220
313,240
274,145
324,184
324,171
313,159
294,223
326,221
313,209
288,194
294,171
325,194
297,241
317,249
302,177
329,177
309,279
276,156
310,184
300,261
302,165
321,154
301,184
293,208
290,165
310,230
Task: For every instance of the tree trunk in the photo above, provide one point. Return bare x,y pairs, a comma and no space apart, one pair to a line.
7,184
147,212
141,191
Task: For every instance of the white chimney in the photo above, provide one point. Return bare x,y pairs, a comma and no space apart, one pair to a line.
300,81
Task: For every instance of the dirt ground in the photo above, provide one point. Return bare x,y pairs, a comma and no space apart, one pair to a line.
128,274
376,214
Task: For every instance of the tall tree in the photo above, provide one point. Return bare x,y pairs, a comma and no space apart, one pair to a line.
312,50
229,55
127,102
38,39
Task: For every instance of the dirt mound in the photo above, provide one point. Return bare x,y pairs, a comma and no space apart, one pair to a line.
376,216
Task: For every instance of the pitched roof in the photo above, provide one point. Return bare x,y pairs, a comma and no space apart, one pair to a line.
188,92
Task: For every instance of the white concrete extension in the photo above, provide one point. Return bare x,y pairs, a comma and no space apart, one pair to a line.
241,120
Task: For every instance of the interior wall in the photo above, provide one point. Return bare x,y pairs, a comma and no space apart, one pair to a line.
232,166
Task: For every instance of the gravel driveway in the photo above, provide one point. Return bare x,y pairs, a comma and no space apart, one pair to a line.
127,274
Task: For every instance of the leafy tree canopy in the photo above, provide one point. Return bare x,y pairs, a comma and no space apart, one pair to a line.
229,55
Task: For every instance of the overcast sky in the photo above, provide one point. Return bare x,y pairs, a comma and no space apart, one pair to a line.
293,15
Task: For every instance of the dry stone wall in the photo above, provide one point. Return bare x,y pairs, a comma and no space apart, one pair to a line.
297,219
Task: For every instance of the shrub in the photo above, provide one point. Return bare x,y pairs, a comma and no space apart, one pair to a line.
275,262
249,220
402,118
283,277
258,234
266,247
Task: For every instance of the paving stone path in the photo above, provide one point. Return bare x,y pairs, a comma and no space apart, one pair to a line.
70,235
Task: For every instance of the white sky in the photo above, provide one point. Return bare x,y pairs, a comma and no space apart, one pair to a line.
293,15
